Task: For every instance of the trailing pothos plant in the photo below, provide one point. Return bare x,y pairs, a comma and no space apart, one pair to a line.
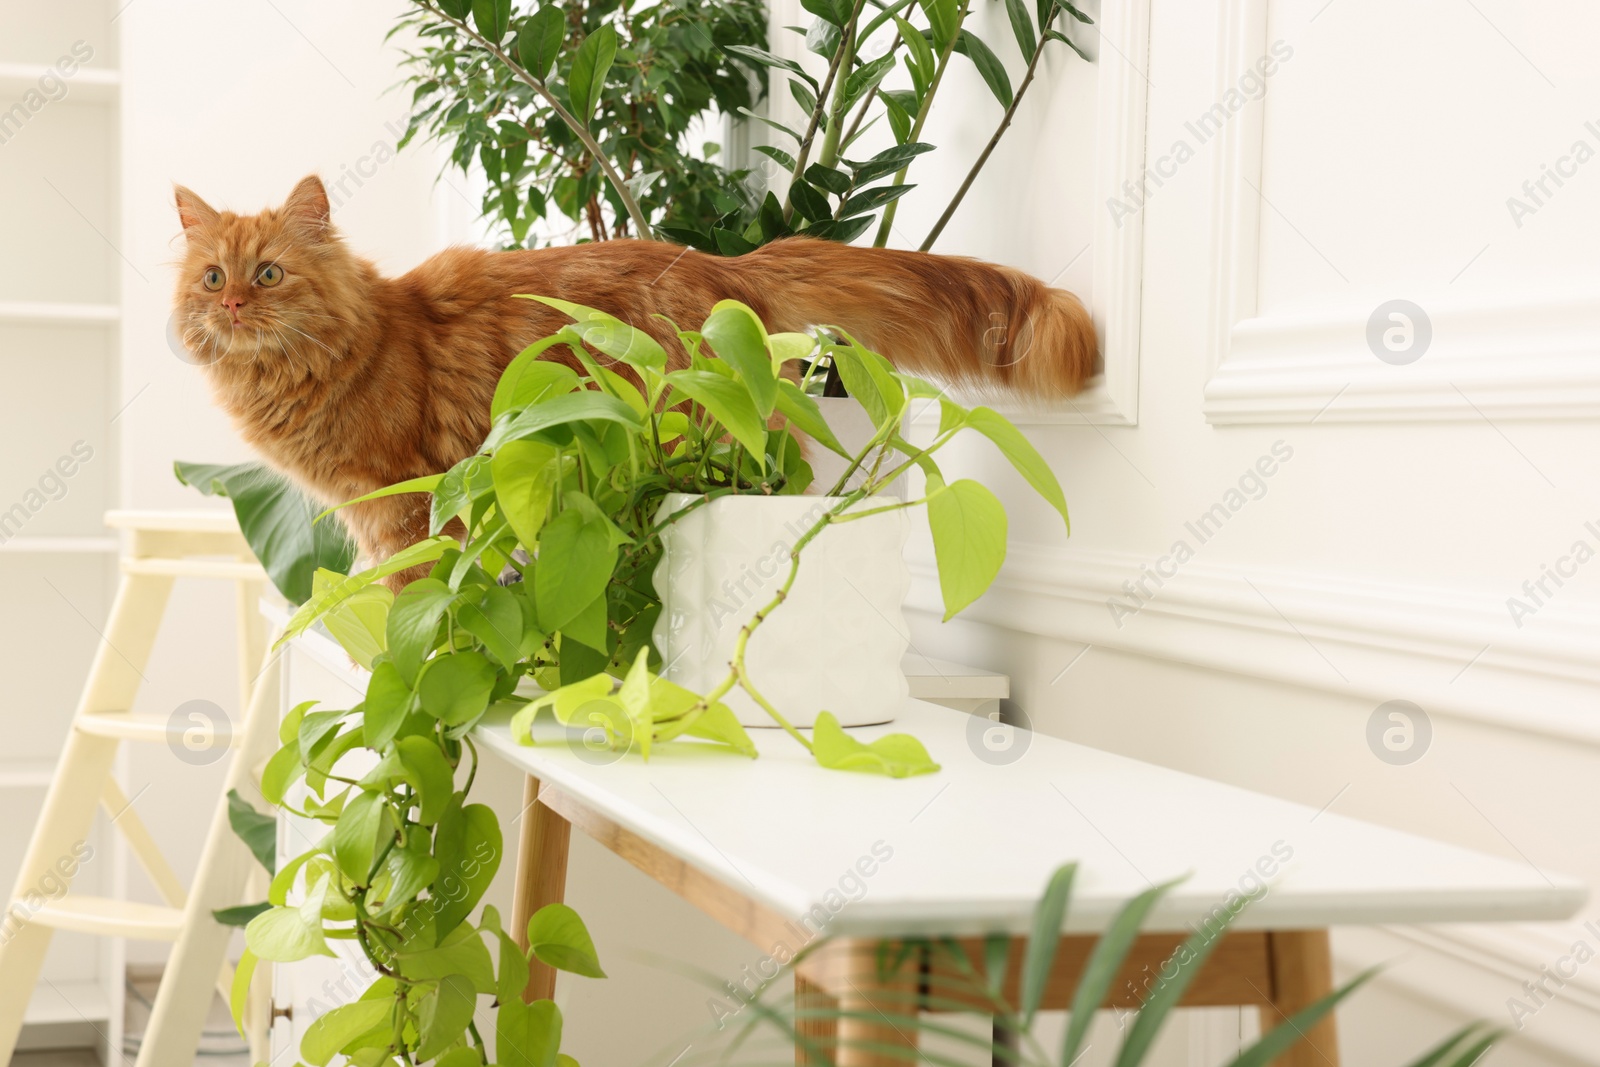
551,585
586,107
552,581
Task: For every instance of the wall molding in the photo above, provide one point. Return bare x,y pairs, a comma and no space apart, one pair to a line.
1452,652
1472,970
1122,55
1532,355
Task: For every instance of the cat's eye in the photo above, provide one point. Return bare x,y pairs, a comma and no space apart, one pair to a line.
270,275
213,278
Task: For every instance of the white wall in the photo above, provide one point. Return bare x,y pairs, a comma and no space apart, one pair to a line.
238,102
1378,562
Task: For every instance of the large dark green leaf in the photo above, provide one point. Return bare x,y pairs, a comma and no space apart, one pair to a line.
989,66
276,520
259,832
873,199
887,162
810,203
1022,26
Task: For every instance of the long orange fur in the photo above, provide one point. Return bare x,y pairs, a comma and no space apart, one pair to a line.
348,381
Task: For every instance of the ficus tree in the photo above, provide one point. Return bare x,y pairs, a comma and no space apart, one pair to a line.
586,110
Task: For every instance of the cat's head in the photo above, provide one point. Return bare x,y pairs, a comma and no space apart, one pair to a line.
280,285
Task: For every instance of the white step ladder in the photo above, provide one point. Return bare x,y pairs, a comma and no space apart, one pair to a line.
163,546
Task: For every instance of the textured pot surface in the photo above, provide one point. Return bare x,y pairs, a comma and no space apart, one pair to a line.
836,642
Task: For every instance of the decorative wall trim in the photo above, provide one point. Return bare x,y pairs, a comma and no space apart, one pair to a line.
1472,970
1452,653
1123,59
1532,360
1527,357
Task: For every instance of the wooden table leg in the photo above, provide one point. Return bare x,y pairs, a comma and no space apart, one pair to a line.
818,1034
1302,974
541,879
876,1031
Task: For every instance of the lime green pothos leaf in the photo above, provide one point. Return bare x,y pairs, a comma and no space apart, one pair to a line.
333,1030
425,484
454,687
277,522
530,379
342,588
414,623
290,933
534,1030
558,937
443,1017
968,523
388,700
365,821
586,404
360,622
807,417
610,335
242,976
896,755
739,339
729,403
468,846
1022,455
576,558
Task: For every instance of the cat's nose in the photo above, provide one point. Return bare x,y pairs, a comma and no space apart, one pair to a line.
233,304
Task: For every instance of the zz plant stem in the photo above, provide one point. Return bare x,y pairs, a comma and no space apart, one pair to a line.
988,149
886,225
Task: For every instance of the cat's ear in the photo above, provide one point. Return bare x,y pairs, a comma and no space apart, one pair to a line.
308,205
192,211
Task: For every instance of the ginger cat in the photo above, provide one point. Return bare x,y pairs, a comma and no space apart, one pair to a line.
347,381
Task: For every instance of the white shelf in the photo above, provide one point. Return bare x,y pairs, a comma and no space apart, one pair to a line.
51,546
36,775
59,314
88,83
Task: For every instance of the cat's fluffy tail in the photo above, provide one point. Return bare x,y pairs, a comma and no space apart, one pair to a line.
956,319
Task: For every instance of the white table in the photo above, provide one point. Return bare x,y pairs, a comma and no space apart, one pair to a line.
757,844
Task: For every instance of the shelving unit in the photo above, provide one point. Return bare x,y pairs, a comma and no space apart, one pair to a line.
59,314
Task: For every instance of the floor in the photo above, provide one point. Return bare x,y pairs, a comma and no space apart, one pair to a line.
219,1047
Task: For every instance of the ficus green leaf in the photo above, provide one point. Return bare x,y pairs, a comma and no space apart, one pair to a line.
540,39
587,76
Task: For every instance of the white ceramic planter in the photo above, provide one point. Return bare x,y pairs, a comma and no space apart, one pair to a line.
836,642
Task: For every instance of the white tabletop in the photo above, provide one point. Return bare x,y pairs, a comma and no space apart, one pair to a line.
973,845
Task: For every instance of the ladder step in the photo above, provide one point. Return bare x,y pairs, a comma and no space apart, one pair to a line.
111,918
154,729
194,568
